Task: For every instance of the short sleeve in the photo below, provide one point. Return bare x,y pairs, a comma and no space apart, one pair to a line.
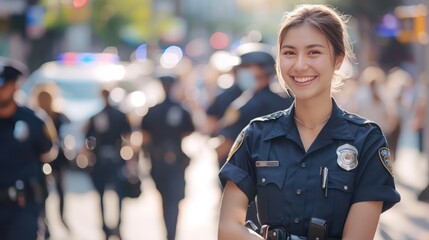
239,167
375,180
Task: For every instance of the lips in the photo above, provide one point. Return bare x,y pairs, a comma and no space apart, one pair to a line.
303,81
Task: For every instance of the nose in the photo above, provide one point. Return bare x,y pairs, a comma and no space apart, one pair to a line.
301,63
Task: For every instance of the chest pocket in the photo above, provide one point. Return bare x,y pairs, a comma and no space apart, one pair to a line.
341,181
270,193
340,193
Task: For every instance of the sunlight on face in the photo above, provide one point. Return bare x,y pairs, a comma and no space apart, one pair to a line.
307,62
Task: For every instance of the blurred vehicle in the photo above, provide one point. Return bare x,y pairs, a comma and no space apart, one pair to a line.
79,78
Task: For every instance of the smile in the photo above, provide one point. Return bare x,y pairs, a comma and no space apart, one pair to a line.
304,80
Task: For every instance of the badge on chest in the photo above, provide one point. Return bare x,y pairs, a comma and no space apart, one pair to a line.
347,157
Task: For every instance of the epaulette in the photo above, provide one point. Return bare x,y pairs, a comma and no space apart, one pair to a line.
356,118
272,116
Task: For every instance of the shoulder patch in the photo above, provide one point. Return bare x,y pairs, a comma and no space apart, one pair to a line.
355,118
384,154
237,144
271,116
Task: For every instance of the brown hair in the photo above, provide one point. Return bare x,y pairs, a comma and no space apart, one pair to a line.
330,23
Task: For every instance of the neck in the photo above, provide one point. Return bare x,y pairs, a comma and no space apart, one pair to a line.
8,110
313,113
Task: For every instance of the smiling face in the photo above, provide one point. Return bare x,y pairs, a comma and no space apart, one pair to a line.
307,62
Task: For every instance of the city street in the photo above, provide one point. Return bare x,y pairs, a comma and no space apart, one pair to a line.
408,220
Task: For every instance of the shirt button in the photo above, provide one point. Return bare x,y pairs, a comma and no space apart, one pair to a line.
346,188
299,191
303,165
296,220
263,180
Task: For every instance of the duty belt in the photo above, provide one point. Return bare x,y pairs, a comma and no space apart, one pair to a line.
280,233
20,192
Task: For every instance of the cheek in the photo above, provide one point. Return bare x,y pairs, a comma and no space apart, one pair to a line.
285,66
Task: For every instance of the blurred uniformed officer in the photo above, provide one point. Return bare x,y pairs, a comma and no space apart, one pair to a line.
61,164
164,128
254,75
25,144
109,130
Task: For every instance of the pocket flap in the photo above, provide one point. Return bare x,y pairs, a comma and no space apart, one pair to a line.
343,181
274,175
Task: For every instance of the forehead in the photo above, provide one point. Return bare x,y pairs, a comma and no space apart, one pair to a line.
304,35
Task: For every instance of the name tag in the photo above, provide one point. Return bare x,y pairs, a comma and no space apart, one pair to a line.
267,163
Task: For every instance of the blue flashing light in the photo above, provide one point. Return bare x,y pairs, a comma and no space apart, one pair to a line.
86,58
73,58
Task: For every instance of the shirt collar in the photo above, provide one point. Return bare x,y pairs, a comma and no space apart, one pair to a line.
337,126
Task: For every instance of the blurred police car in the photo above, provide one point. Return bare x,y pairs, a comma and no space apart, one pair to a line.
80,78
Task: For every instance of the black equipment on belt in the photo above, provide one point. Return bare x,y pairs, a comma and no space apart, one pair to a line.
21,192
317,230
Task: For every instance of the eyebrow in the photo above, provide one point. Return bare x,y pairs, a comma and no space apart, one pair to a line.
308,46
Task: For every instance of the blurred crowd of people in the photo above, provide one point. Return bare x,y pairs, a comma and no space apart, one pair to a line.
217,103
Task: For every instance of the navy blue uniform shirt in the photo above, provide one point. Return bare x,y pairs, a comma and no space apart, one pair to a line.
222,101
268,161
22,141
249,107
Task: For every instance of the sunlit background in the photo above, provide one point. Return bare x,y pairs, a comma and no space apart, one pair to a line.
84,44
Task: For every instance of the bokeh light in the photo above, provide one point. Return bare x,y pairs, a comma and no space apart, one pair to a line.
136,138
137,98
219,40
127,152
225,81
47,169
141,53
69,142
171,57
82,161
117,94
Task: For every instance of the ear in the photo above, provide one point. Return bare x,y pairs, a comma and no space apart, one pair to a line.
338,62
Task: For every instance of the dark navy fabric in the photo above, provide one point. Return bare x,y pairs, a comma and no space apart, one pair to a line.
60,120
290,194
260,103
222,101
167,123
21,159
22,141
109,127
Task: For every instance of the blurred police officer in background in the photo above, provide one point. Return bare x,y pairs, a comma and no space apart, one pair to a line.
216,110
107,132
254,76
164,127
44,101
26,143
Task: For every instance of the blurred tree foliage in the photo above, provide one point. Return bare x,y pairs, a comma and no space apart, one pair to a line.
112,22
122,21
372,10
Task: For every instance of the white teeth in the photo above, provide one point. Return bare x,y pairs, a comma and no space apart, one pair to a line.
303,79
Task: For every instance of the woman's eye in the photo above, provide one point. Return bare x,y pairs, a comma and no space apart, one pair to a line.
288,53
313,52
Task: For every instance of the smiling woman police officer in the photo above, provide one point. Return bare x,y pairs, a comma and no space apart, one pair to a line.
316,170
